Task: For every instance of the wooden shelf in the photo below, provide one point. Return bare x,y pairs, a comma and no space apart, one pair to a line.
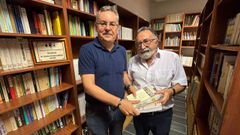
188,39
36,67
188,47
190,27
226,47
216,97
202,127
31,35
67,130
39,4
82,37
81,14
172,32
174,22
38,124
171,46
24,100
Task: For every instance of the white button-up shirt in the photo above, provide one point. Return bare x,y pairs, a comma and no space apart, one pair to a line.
165,71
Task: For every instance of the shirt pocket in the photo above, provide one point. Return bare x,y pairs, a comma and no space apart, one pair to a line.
163,77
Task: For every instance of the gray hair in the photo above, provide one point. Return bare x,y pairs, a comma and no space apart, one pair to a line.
147,28
108,8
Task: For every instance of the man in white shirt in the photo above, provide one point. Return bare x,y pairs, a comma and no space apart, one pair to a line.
162,69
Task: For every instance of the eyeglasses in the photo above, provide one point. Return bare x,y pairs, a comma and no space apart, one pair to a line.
145,42
105,24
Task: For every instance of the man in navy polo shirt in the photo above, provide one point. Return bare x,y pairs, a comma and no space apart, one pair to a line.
102,66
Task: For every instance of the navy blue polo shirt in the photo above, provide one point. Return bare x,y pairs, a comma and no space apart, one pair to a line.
108,67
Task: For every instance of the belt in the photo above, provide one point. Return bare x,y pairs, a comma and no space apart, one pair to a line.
155,113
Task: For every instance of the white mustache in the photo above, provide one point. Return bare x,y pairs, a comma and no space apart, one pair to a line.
145,50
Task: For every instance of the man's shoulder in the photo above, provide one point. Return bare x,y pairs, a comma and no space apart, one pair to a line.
88,45
121,47
167,53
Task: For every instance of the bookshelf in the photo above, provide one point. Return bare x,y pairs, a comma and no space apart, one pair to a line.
216,65
70,18
64,67
177,33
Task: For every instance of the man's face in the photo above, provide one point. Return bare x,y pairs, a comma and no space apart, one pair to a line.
146,44
107,26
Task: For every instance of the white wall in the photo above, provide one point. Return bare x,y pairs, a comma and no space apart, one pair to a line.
138,7
161,9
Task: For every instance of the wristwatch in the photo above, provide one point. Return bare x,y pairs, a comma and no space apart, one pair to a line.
174,91
127,87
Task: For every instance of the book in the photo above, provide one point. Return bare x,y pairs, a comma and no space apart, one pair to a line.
147,97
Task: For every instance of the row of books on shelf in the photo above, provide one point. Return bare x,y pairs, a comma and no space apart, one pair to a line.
174,18
221,72
232,35
173,27
186,60
214,120
125,33
158,25
15,53
172,41
191,20
27,114
17,19
89,6
18,85
189,35
78,27
56,125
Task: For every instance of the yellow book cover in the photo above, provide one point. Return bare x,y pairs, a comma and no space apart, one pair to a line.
56,23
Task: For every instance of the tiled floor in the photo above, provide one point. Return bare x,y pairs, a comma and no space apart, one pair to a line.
179,126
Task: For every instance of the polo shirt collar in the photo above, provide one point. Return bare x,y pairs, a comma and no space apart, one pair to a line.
98,44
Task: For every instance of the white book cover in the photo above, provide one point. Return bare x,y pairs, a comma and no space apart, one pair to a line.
12,50
4,89
38,110
76,72
29,79
46,14
148,99
82,104
3,5
7,56
26,22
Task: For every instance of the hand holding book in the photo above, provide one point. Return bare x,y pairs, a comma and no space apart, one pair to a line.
148,98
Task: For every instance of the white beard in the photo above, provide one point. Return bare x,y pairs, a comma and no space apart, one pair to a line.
146,53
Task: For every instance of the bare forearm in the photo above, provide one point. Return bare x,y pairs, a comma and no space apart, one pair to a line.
93,90
178,88
126,79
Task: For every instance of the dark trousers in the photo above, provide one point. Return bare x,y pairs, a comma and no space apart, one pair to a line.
158,122
104,120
